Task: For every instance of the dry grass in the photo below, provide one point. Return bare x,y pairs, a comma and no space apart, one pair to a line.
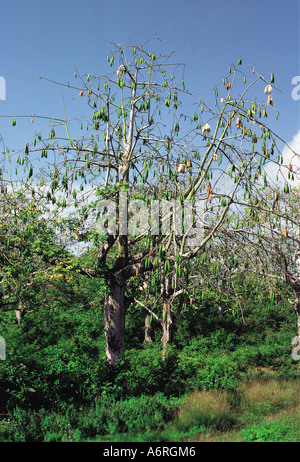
271,402
208,408
269,395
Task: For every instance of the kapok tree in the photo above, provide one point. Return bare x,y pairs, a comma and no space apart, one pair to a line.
149,138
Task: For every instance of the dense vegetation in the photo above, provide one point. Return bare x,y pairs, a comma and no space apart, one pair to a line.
220,375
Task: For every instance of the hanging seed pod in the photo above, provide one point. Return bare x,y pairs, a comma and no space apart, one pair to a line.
227,85
285,232
215,156
81,93
189,163
268,89
238,123
30,172
206,128
270,101
208,188
290,167
181,168
121,70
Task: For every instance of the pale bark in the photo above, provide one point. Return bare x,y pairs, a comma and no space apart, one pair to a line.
295,283
167,316
167,327
114,320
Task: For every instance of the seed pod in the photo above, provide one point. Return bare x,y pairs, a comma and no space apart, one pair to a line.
189,163
121,70
206,128
137,271
166,267
181,168
270,101
215,156
227,85
268,89
285,232
160,252
238,123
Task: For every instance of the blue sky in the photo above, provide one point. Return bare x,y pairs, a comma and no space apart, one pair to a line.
50,38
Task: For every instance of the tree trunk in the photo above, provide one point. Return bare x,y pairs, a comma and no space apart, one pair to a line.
167,327
149,329
296,287
297,309
296,305
114,320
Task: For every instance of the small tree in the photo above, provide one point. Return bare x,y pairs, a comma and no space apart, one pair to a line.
30,253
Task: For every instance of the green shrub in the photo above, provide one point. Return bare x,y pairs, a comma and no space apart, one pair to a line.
220,372
280,430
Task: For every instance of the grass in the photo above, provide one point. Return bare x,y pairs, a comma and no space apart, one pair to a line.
209,409
269,396
260,410
268,411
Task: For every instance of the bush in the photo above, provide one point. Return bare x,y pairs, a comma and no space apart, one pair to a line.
220,372
283,429
108,417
